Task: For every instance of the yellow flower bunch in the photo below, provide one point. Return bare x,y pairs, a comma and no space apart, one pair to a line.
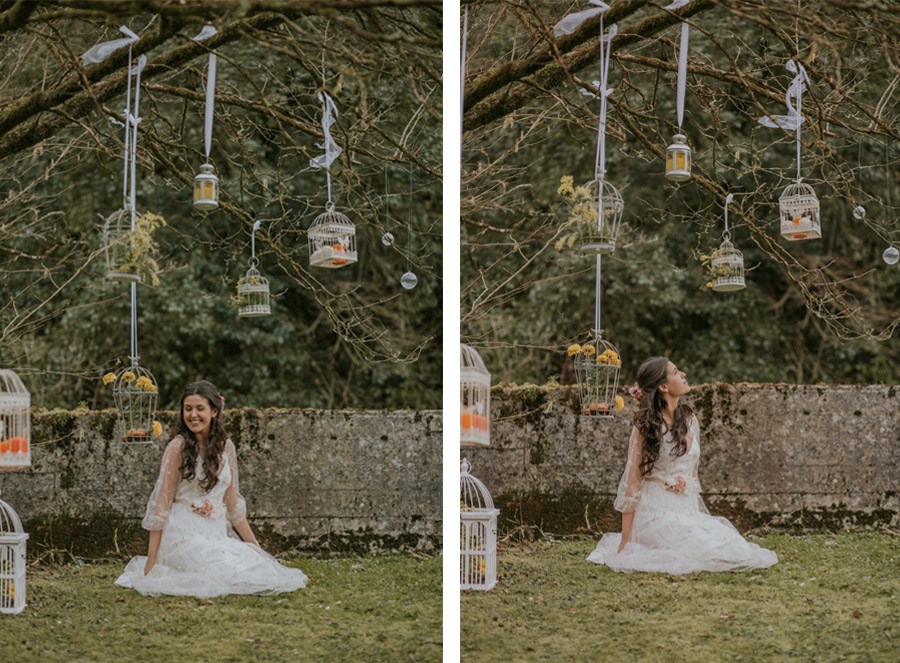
609,358
109,377
146,384
620,403
588,350
157,429
573,350
566,186
128,376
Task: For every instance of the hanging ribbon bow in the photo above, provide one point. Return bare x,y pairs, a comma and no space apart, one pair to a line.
207,32
794,118
102,51
332,150
572,22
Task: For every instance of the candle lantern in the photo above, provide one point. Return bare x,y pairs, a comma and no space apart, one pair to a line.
206,189
678,160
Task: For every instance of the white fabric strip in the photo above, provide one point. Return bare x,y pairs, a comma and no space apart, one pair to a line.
682,71
572,22
102,51
210,103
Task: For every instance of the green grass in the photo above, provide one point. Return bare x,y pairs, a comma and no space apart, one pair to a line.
830,598
372,609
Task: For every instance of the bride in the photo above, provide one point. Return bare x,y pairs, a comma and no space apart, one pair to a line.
195,499
665,525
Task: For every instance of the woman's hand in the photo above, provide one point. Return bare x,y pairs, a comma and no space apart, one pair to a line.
149,565
622,546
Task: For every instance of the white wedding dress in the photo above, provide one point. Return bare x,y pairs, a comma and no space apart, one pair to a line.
673,532
198,555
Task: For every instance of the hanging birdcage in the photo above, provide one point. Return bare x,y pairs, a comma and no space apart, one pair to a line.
597,367
136,392
678,159
15,422
799,209
12,561
726,268
253,293
206,189
119,246
598,216
332,240
477,533
475,399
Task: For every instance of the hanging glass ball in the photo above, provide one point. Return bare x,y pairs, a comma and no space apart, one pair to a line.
859,212
409,280
891,255
387,239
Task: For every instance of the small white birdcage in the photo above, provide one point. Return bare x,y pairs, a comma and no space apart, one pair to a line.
136,392
598,217
12,561
475,399
15,422
206,189
678,160
726,268
598,377
118,244
253,293
799,209
332,240
477,533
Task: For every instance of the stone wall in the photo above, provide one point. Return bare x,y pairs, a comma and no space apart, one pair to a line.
318,481
794,457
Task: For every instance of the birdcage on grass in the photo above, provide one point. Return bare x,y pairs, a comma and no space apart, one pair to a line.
332,240
206,189
136,392
475,398
15,421
477,532
799,210
253,293
598,216
598,377
12,561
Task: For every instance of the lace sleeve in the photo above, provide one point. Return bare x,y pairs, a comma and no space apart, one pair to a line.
629,493
234,502
166,485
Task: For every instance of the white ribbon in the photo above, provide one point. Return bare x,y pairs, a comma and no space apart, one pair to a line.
256,226
572,22
208,31
728,200
604,90
793,120
329,117
102,51
682,60
210,103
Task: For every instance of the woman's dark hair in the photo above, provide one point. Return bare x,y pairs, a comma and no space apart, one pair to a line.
215,444
648,418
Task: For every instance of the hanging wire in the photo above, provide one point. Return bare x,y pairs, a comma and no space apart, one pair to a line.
799,87
409,248
728,199
462,75
330,204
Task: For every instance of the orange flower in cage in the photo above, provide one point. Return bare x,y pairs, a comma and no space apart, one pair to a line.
109,377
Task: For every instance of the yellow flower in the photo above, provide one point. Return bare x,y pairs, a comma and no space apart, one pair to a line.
603,359
109,377
573,349
566,184
709,285
613,356
588,349
620,403
157,428
128,376
144,383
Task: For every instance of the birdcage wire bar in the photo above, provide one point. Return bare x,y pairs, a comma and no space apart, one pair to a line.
12,561
799,211
136,393
475,398
597,367
15,421
477,533
332,240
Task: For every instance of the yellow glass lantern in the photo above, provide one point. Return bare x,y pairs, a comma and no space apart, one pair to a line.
678,160
206,189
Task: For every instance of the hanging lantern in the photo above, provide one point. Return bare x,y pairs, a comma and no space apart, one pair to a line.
15,422
597,368
332,240
474,399
206,189
135,392
678,160
12,561
799,209
477,533
253,293
598,216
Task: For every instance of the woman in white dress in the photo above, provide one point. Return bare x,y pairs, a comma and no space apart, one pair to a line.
194,501
665,525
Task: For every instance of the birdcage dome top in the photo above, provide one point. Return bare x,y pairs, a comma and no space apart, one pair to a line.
253,277
9,520
470,362
798,188
727,248
602,187
473,495
331,221
11,384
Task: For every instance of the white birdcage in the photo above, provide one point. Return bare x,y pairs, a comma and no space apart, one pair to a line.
799,209
598,217
206,189
12,561
332,240
475,398
118,245
253,293
477,533
597,367
678,160
15,422
726,268
136,392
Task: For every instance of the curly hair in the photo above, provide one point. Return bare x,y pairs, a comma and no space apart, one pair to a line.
215,444
648,418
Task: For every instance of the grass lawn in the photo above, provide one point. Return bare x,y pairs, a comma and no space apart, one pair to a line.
830,598
354,609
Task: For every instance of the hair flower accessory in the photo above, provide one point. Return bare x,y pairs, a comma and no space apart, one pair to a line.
636,392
